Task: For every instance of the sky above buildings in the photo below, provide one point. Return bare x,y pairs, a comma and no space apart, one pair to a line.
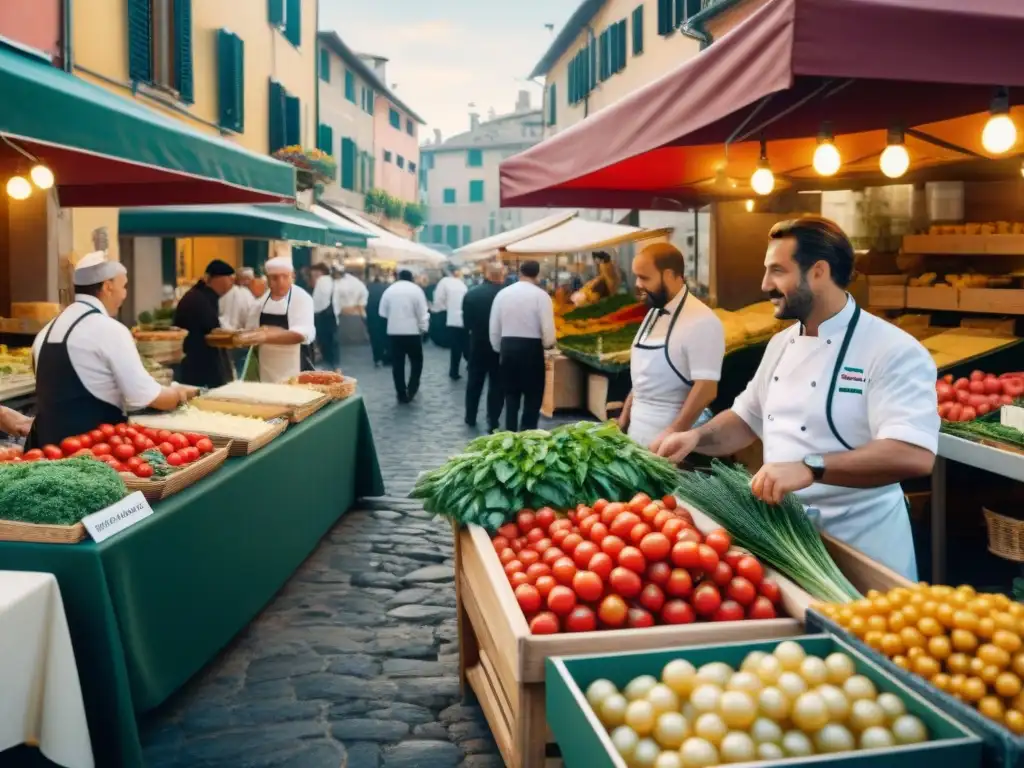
447,54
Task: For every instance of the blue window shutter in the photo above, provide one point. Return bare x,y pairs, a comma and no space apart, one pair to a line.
292,120
437,234
449,196
140,41
592,64
553,104
476,191
467,234
584,57
183,43
350,86
638,30
665,17
325,65
605,52
452,235
348,165
275,13
621,45
325,139
231,80
293,22
571,81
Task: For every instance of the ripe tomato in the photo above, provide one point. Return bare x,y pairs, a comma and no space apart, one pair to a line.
133,462
118,440
658,573
633,559
770,589
518,579
655,546
588,586
742,591
563,570
123,452
719,540
513,566
121,429
518,544
581,619
528,597
52,452
85,440
750,569
570,542
70,445
544,624
686,554
535,535
708,558
625,582
611,545
661,518
559,535
192,438
542,546
623,524
559,525
652,598
34,455
584,553
602,565
97,436
536,570
761,609
586,525
638,617
733,557
612,611
190,454
526,520
610,511
107,430
598,532
561,600
117,466
552,555
507,555
101,449
143,470
690,534
130,432
638,502
706,599
544,584
527,557
678,612
672,528
728,611
637,533
178,440
586,513
573,516
679,584
499,543
205,445
165,448
648,513
669,502
722,574
509,531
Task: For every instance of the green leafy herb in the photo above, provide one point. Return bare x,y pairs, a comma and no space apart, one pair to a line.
601,308
57,492
158,462
982,429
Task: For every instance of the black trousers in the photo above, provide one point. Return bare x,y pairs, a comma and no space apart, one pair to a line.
457,340
522,373
377,328
403,347
484,367
326,324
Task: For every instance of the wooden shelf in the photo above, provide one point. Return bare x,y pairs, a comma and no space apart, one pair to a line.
964,245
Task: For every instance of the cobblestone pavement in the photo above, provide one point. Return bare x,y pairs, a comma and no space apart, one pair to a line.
354,663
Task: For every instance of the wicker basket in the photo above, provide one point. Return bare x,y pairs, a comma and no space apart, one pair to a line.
162,346
41,533
155,489
1005,536
340,391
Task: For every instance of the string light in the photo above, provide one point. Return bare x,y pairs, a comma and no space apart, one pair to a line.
749,204
42,176
895,160
18,188
1000,134
763,180
826,157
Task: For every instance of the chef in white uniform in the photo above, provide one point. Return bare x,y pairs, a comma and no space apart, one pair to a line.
448,297
676,361
844,401
285,318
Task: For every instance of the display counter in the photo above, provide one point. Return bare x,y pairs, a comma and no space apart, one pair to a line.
149,607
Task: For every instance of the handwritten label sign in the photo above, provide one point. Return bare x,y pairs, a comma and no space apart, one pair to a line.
117,517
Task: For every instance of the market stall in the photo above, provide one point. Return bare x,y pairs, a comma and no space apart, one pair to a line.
385,247
150,606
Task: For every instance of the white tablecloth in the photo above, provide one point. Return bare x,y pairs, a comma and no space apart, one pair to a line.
40,696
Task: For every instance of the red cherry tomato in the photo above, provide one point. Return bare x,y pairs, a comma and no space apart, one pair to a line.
612,545
101,449
205,445
545,584
536,570
512,566
34,455
678,612
652,598
672,528
612,611
143,470
588,586
97,436
658,573
545,517
639,501
561,600
570,542
509,531
637,533
733,557
506,556
650,512
499,543
742,591
730,610
527,557
133,462
770,589
638,617
623,524
679,584
535,534
669,502
602,565
750,569
123,452
633,559
518,579
690,534
107,430
598,532
761,609
166,448
70,445
708,558
52,452
117,440
175,459
542,546
564,570
544,624
552,555
722,574
528,597
584,553
121,430
706,600
686,554
526,521
625,582
611,511
86,441
719,540
655,546
581,619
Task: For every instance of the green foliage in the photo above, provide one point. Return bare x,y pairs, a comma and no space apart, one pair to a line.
413,215
57,492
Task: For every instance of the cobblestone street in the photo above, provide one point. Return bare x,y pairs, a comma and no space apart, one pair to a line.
354,663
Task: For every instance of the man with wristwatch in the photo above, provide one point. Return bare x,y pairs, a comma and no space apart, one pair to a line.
843,401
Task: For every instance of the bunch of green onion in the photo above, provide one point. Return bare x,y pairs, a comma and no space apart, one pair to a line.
781,536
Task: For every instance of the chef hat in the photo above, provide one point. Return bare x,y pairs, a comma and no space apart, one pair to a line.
246,272
279,265
96,268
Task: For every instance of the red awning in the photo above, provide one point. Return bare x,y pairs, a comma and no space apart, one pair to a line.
861,65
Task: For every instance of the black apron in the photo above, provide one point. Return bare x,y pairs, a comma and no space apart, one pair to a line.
281,321
64,407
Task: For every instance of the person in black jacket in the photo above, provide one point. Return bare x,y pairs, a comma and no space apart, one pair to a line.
198,313
484,362
377,326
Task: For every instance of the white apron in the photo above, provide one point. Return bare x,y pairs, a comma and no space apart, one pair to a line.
659,389
278,362
816,404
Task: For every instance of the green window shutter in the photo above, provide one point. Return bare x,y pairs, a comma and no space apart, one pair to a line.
476,191
293,22
680,13
350,86
666,24
449,196
373,173
140,41
400,161
467,234
395,119
638,30
278,132
474,158
452,235
605,52
437,234
621,46
348,165
571,81
325,65
275,13
168,261
592,64
255,253
183,44
325,139
553,104
231,80
292,120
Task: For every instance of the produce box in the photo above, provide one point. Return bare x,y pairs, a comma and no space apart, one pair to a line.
12,530
584,741
155,489
887,296
243,446
1001,748
237,445
563,385
303,403
1002,301
932,298
503,663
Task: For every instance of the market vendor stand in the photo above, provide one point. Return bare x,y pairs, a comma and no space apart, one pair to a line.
149,607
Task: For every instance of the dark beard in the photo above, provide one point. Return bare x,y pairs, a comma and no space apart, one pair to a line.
657,299
797,305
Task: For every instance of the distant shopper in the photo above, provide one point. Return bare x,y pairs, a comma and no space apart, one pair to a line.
522,326
350,298
484,362
377,326
198,312
450,293
404,305
325,315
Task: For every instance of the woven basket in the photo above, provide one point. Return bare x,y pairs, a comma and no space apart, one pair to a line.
340,391
1005,536
41,533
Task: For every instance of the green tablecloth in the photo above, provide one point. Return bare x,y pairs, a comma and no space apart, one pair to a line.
149,607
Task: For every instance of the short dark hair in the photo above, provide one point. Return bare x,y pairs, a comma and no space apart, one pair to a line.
818,239
321,267
602,256
529,269
90,290
405,274
667,257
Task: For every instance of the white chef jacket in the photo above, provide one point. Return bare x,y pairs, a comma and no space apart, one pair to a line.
234,307
104,355
676,346
349,291
522,311
448,297
884,390
323,293
404,305
280,362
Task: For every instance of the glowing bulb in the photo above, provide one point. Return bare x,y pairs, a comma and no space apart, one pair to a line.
750,203
763,181
826,159
1022,169
18,188
999,135
42,176
894,161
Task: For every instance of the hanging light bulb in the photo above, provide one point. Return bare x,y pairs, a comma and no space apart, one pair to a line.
826,156
763,180
895,160
42,176
18,188
1000,133
749,204
1022,168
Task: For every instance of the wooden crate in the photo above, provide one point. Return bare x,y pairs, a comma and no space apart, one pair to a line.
563,385
932,298
998,301
597,395
887,296
157,488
